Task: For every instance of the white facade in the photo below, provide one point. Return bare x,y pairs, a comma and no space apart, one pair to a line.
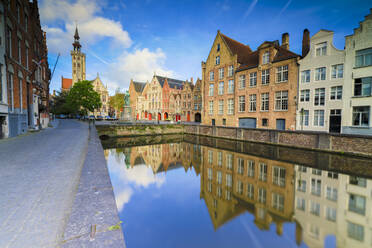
333,204
321,80
357,118
4,118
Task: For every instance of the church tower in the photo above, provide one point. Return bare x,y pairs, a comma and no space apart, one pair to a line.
78,60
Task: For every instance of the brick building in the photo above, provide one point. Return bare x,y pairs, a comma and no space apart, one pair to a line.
27,69
250,89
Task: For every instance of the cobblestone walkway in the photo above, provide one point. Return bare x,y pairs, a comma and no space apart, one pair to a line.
39,176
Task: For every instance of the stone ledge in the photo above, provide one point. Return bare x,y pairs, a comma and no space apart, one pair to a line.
94,204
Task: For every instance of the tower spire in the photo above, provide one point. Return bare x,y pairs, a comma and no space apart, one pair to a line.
76,43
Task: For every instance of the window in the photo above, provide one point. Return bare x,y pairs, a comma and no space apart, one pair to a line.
262,195
220,88
219,159
319,97
265,122
242,81
211,89
220,107
282,74
359,181
239,187
218,47
230,106
302,169
228,180
265,77
338,71
279,176
19,51
230,71
229,161
217,60
224,122
263,172
230,86
221,73
362,86
1,83
228,195
321,49
355,231
331,193
281,100
219,192
305,76
266,58
357,204
315,208
250,191
361,116
20,94
251,168
331,214
211,75
11,92
316,172
304,118
301,185
300,204
333,175
18,9
26,57
9,41
210,157
210,186
316,187
336,93
265,102
26,22
363,57
320,73
211,107
278,202
252,103
253,79
319,118
219,177
305,96
314,231
241,103
240,169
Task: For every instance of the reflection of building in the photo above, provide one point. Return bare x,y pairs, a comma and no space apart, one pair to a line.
232,183
328,203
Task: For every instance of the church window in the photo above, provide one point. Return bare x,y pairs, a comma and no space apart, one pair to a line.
78,65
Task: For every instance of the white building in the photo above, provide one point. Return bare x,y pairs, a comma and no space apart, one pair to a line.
332,205
4,118
321,82
358,80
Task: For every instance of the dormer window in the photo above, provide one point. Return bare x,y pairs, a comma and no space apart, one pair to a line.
266,58
217,60
218,47
321,49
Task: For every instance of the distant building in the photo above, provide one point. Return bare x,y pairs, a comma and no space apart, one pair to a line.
357,117
321,85
103,92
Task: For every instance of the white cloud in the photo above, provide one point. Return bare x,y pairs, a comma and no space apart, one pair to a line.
250,8
138,65
92,27
123,198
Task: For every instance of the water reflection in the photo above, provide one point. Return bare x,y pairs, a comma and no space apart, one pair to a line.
324,207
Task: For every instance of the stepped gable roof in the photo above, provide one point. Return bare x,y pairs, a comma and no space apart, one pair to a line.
139,86
173,83
237,48
282,54
66,83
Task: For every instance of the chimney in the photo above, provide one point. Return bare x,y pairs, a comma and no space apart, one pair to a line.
285,41
192,80
305,42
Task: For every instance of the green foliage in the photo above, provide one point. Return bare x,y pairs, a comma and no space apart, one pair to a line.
117,101
82,98
115,227
59,105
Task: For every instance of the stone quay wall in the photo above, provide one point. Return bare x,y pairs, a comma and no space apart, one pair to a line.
342,143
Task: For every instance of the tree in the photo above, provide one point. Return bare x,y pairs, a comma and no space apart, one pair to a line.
83,98
59,104
117,101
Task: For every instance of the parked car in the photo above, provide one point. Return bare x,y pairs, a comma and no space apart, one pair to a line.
61,116
99,118
108,118
92,117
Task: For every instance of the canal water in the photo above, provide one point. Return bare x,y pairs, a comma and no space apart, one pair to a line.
188,193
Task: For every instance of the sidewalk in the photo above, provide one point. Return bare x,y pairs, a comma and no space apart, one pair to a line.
39,176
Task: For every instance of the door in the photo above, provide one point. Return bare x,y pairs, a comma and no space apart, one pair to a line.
280,124
248,122
188,115
335,121
213,122
197,117
150,116
159,116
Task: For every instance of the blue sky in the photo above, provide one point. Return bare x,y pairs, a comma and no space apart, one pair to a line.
133,39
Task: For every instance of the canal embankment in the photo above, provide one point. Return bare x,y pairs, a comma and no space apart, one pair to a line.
94,220
338,143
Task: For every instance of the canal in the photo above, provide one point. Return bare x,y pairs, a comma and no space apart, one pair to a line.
189,191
